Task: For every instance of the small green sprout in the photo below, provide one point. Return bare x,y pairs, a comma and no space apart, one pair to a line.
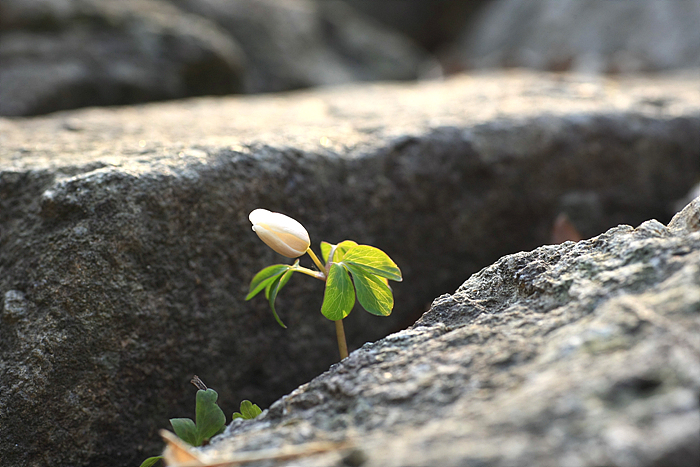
210,418
370,268
248,411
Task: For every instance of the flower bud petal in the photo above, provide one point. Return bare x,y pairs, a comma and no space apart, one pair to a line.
281,233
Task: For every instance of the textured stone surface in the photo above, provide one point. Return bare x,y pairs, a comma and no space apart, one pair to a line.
582,35
580,354
125,249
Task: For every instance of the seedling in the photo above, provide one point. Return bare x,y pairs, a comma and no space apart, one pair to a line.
248,411
210,419
370,268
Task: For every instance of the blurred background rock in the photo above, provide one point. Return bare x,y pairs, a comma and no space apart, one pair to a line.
62,54
590,36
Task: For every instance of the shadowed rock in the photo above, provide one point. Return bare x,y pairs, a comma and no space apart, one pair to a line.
575,354
300,43
63,54
588,36
431,24
59,55
126,252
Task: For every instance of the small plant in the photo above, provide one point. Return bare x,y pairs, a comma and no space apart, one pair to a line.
370,268
210,419
248,411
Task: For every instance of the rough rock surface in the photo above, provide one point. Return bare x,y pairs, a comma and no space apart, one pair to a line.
125,249
578,354
582,35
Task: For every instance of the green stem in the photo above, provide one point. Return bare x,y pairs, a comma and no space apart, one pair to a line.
318,262
340,334
310,272
339,329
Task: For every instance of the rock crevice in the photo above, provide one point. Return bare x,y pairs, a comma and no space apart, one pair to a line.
566,364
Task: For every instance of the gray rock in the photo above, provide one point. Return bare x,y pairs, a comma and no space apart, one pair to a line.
591,36
302,43
64,54
15,306
125,249
678,205
688,219
431,24
580,354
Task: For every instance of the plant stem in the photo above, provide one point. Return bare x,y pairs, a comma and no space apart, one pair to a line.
318,262
310,272
339,330
340,334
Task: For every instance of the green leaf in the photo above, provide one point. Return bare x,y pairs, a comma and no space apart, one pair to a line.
341,249
264,277
373,293
285,277
374,261
275,287
151,461
275,281
210,417
325,250
185,429
339,297
270,284
335,253
248,411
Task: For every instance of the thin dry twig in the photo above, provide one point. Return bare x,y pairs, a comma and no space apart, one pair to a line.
198,383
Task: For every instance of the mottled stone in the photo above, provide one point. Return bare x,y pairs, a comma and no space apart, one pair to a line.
688,219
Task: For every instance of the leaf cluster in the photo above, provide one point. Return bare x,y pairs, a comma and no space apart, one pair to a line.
248,411
351,271
210,420
271,280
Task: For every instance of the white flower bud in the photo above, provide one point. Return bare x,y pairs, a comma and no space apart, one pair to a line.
281,233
